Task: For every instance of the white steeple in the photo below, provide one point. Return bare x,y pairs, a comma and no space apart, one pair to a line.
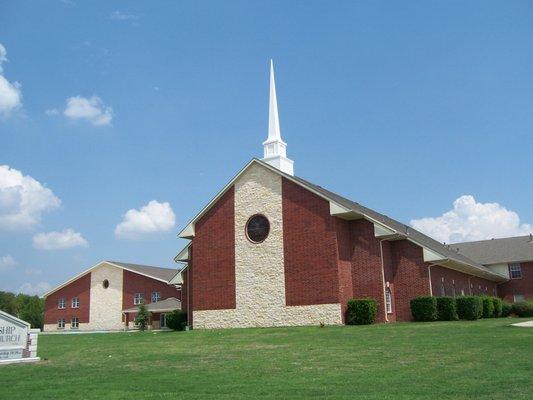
275,149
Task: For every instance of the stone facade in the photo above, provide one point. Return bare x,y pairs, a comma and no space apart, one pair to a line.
106,303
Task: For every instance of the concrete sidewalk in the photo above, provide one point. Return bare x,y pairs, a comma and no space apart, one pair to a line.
527,324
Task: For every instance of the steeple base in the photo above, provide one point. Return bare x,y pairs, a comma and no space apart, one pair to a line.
284,164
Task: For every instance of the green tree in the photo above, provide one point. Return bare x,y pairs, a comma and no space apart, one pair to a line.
142,318
30,309
7,302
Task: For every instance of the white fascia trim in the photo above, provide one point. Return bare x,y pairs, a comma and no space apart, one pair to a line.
382,231
184,255
68,282
431,256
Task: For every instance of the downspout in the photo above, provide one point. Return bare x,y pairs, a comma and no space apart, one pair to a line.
383,280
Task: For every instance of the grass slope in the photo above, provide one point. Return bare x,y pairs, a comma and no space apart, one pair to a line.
485,359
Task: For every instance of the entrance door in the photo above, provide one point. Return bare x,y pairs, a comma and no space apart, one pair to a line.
162,321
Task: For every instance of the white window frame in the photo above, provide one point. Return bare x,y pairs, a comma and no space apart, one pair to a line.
74,323
518,297
156,296
388,300
515,268
138,299
75,302
61,303
61,323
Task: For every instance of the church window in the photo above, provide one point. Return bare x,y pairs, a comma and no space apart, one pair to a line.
257,228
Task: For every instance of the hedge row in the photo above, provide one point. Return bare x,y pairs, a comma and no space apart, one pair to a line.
428,308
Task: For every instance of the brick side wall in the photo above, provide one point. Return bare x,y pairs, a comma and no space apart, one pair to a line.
135,283
367,278
410,276
344,253
214,257
80,288
482,286
450,282
310,251
523,286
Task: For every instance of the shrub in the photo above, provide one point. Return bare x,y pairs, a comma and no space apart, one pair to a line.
523,309
507,309
497,304
488,307
142,318
361,311
469,307
424,308
176,320
446,309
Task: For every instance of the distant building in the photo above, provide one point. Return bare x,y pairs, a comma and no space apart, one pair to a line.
106,297
272,249
511,257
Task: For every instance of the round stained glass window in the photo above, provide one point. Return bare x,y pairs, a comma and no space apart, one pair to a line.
257,228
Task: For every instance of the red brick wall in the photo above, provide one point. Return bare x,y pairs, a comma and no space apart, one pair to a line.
367,277
523,286
214,257
460,280
135,283
310,248
80,288
344,253
410,276
487,287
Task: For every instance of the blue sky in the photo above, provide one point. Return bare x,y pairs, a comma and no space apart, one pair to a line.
404,107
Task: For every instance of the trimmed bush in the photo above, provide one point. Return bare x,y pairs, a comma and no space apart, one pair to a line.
361,311
497,304
488,307
176,320
424,308
523,309
507,309
446,309
469,307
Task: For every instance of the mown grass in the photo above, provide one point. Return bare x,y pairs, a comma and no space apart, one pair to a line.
485,359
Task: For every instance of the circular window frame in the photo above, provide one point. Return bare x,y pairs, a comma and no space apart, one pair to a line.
246,228
105,283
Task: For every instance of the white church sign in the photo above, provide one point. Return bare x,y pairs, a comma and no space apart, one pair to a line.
18,343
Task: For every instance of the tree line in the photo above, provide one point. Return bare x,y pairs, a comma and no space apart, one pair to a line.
23,306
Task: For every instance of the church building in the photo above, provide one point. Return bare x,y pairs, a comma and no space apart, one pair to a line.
272,249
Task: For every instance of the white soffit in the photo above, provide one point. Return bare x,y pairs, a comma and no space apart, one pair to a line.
430,255
382,231
339,211
184,254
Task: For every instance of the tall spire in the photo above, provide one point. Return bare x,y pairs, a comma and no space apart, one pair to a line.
274,133
274,148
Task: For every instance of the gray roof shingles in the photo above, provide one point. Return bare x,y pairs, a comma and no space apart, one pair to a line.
165,274
497,251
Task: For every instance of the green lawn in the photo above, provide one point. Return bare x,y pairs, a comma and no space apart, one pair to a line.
485,359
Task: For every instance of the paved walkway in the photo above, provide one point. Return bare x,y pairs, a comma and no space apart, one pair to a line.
527,324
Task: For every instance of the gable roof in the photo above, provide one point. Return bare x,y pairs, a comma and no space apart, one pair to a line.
163,274
442,252
157,273
169,304
496,251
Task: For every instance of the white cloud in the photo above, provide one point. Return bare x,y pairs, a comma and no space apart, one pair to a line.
10,95
3,56
52,111
33,271
6,263
470,220
151,218
90,109
37,289
23,200
65,239
121,16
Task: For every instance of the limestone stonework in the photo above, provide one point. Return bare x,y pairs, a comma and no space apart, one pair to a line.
106,303
259,267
